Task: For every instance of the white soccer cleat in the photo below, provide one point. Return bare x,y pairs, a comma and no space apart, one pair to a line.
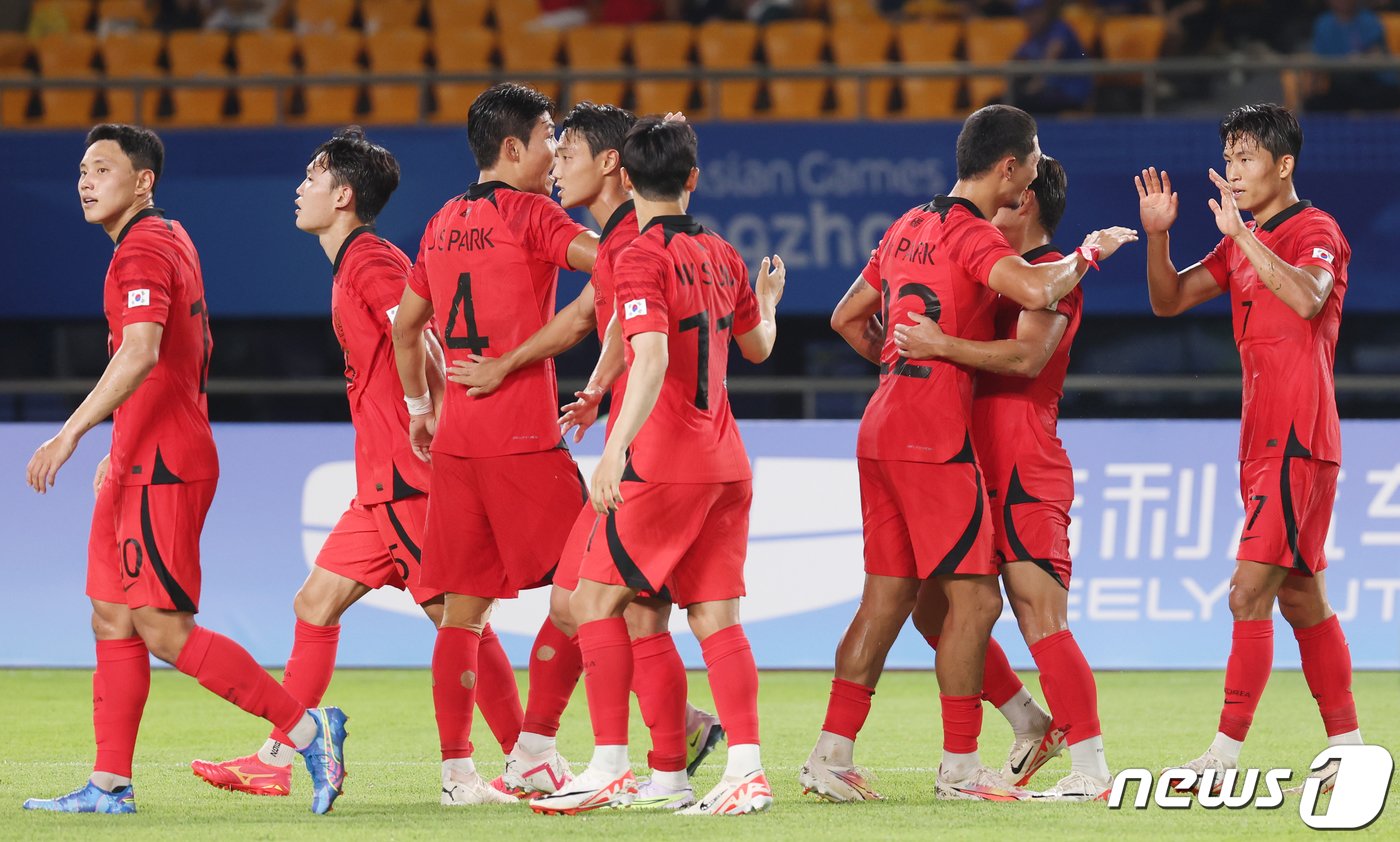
593,790
1076,786
528,775
835,783
982,785
1210,761
1327,774
460,789
735,797
654,796
1027,756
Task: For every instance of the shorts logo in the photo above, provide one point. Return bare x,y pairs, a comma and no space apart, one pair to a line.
392,312
138,298
1323,254
635,307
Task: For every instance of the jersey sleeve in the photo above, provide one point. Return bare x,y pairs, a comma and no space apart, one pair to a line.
746,316
871,273
547,230
1217,263
1070,303
980,247
640,301
1319,244
143,277
418,275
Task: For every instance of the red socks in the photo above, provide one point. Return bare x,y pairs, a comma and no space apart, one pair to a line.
555,665
1069,687
999,680
608,669
962,723
498,696
1246,673
659,680
227,670
847,708
455,658
120,685
310,666
733,683
1327,668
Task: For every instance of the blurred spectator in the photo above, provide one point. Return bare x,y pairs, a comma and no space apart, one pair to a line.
47,20
1347,29
240,15
763,11
626,11
989,8
1049,38
560,14
180,14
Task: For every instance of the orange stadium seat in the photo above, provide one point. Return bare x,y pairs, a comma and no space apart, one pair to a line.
14,102
728,45
1131,38
932,42
325,53
514,14
135,14
662,46
322,15
74,14
133,55
792,44
596,48
67,56
1391,22
991,41
842,12
197,55
400,50
14,50
460,51
258,53
1085,21
458,14
389,14
855,43
525,50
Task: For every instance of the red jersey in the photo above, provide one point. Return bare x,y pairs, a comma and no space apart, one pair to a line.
684,281
934,260
161,433
620,232
1014,418
1287,359
369,276
489,262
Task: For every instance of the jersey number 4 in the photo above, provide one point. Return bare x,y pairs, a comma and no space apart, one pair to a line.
700,323
462,306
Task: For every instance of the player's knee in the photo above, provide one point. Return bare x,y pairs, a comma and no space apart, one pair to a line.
1250,603
1303,609
928,624
645,621
563,619
112,625
310,609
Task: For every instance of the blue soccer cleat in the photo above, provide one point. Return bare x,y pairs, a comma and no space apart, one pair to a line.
325,757
91,798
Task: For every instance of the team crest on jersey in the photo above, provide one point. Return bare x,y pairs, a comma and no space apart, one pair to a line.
138,298
1323,254
635,307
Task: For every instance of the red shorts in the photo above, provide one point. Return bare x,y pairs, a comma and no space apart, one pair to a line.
497,524
143,549
1288,509
380,544
1036,531
688,539
925,519
571,559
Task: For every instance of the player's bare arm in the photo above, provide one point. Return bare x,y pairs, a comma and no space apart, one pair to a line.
125,372
1038,334
581,413
411,357
757,344
644,378
434,367
1038,286
1304,289
1170,291
583,251
484,375
857,319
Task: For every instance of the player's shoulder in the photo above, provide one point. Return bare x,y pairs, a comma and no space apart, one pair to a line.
620,229
1318,218
365,252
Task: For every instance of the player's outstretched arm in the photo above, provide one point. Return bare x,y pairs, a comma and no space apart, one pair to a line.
644,378
125,372
484,375
1038,334
612,362
1038,286
410,356
857,319
583,252
757,344
1171,292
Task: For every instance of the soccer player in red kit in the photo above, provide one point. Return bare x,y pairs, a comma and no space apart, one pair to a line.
674,484
377,542
922,496
1286,274
504,490
154,487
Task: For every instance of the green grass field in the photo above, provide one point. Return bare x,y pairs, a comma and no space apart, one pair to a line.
1149,719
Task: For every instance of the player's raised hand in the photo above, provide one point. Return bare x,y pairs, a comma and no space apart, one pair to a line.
920,340
481,375
44,464
1108,240
1156,202
420,435
580,414
101,474
673,117
772,279
605,491
1227,212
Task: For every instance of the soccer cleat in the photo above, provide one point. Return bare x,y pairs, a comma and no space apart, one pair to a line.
653,796
1076,786
703,732
835,783
460,789
528,775
735,797
1327,774
1208,761
325,758
499,784
1028,755
245,774
982,785
90,798
593,790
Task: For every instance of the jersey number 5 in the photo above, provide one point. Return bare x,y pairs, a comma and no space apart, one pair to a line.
462,304
700,323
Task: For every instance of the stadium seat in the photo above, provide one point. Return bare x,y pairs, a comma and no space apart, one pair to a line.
133,55
399,50
1391,22
1084,20
1131,38
458,14
842,12
324,53
936,9
728,45
197,55
460,51
861,42
514,14
122,14
14,50
322,15
377,15
67,56
14,102
991,41
596,48
525,50
662,46
792,44
265,52
73,14
930,42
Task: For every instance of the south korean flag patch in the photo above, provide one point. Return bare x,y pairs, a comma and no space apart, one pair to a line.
1323,254
138,298
634,308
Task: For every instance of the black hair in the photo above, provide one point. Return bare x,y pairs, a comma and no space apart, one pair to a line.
370,169
139,143
992,133
1272,126
658,156
603,126
501,111
1049,187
